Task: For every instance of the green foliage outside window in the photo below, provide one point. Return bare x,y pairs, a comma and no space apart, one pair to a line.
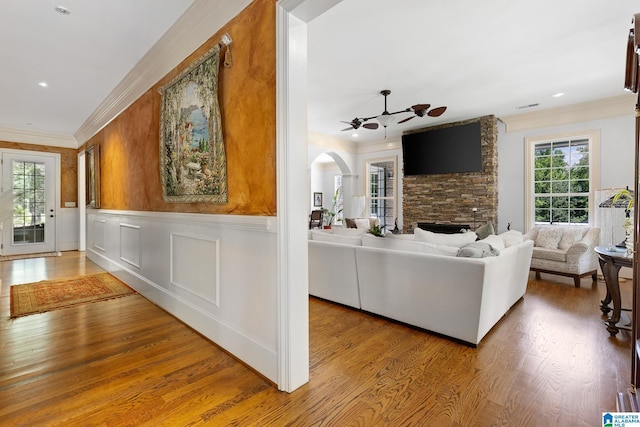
561,182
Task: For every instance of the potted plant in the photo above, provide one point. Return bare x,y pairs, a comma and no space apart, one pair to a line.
376,230
328,216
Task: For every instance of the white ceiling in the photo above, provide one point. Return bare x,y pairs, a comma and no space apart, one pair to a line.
82,56
475,57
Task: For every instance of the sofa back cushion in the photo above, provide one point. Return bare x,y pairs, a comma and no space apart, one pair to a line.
549,237
511,238
571,235
495,241
407,245
456,239
345,239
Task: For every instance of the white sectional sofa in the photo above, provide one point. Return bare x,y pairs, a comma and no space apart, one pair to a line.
419,283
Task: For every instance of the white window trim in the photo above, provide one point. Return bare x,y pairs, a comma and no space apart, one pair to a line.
367,183
593,136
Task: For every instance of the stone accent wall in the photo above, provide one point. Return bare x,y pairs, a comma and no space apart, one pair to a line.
450,198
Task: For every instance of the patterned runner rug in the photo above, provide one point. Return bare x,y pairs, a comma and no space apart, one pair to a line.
49,295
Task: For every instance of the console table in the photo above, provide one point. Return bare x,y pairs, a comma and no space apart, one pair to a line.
611,262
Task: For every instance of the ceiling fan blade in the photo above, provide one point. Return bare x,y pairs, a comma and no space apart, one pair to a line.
436,112
349,128
370,125
406,120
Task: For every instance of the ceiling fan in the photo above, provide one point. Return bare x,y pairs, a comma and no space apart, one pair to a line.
386,118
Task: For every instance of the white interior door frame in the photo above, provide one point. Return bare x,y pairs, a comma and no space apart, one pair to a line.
293,190
82,205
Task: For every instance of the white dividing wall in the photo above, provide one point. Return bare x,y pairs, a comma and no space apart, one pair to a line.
69,234
617,135
216,273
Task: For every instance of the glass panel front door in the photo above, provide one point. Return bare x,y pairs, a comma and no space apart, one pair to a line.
29,202
28,205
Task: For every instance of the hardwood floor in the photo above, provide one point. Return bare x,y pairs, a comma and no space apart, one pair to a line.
549,362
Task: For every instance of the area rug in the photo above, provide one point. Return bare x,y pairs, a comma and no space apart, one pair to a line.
48,295
26,256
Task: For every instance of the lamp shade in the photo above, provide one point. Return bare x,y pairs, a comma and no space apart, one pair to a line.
622,202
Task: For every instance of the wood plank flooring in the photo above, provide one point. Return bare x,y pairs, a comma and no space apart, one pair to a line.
549,362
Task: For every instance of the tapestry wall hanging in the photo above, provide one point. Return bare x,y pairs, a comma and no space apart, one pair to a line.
193,163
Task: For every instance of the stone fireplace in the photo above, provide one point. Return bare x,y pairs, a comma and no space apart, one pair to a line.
451,198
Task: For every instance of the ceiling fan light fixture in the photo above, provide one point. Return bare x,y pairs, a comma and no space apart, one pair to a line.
385,119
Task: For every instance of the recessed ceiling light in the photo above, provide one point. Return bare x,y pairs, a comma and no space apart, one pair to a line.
558,95
62,10
43,84
355,135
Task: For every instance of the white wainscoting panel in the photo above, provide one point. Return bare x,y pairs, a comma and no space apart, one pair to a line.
189,272
99,234
216,273
130,244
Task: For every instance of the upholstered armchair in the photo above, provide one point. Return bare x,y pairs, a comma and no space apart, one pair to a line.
565,251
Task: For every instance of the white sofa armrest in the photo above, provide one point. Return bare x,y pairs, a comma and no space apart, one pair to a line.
531,234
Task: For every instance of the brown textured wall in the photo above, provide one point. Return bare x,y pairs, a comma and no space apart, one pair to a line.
129,145
450,198
68,166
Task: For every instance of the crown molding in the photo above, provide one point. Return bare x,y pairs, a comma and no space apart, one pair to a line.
200,21
592,110
37,138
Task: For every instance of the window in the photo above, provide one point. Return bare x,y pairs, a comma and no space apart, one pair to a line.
562,173
381,191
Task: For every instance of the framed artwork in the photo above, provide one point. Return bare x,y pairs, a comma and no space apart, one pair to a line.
193,163
92,158
317,199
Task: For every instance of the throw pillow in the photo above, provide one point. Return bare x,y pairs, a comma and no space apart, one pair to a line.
477,250
485,230
457,239
549,237
363,223
495,241
511,238
570,236
350,223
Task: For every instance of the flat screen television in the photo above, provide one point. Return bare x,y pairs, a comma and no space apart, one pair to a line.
453,149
